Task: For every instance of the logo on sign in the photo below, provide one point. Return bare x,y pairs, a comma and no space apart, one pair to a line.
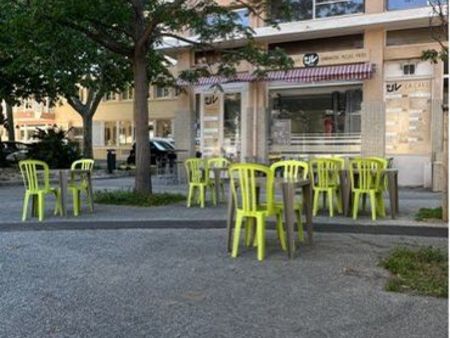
210,100
311,59
390,88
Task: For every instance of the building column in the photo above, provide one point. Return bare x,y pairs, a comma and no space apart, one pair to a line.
373,111
183,123
258,139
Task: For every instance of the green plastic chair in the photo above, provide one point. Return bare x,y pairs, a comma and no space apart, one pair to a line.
82,186
217,162
384,163
365,176
291,169
325,180
196,177
244,188
36,178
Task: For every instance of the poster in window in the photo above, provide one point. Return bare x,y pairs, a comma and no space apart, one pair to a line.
281,131
211,125
408,117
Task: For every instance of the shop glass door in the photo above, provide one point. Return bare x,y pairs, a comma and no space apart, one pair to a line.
221,124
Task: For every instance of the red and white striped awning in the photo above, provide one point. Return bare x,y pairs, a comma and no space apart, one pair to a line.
215,79
357,71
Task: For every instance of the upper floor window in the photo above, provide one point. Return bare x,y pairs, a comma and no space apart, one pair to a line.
297,10
127,94
109,96
243,17
405,4
161,92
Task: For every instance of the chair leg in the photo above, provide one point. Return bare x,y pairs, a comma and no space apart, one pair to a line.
189,198
330,202
202,196
373,205
41,206
316,202
249,231
280,231
237,232
26,199
355,205
301,235
222,188
261,235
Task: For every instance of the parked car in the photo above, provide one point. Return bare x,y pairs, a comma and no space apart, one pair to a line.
14,151
161,152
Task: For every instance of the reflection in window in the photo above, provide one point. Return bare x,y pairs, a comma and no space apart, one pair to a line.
163,128
334,111
242,18
325,8
161,92
405,4
232,124
127,94
110,133
125,132
297,10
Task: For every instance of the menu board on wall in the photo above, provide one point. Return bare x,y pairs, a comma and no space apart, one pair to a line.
281,131
408,117
211,125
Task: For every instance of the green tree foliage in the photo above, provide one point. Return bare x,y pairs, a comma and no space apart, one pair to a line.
64,62
439,32
144,32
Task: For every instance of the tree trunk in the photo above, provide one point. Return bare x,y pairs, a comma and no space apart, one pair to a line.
10,122
143,183
87,136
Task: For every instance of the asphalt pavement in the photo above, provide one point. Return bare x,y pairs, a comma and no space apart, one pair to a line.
181,283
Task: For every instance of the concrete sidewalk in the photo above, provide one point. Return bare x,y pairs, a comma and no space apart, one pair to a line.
176,215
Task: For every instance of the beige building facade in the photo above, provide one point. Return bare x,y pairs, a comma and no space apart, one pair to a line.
358,87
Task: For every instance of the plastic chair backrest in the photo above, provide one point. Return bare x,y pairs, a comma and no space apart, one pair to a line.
368,173
194,170
35,174
83,164
290,169
243,181
340,161
217,162
324,172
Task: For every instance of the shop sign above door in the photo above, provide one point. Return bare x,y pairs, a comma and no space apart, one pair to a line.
331,58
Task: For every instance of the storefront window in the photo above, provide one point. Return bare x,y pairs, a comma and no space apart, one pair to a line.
110,133
298,10
319,111
125,133
405,4
163,128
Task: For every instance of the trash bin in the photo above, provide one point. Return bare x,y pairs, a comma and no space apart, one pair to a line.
111,160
